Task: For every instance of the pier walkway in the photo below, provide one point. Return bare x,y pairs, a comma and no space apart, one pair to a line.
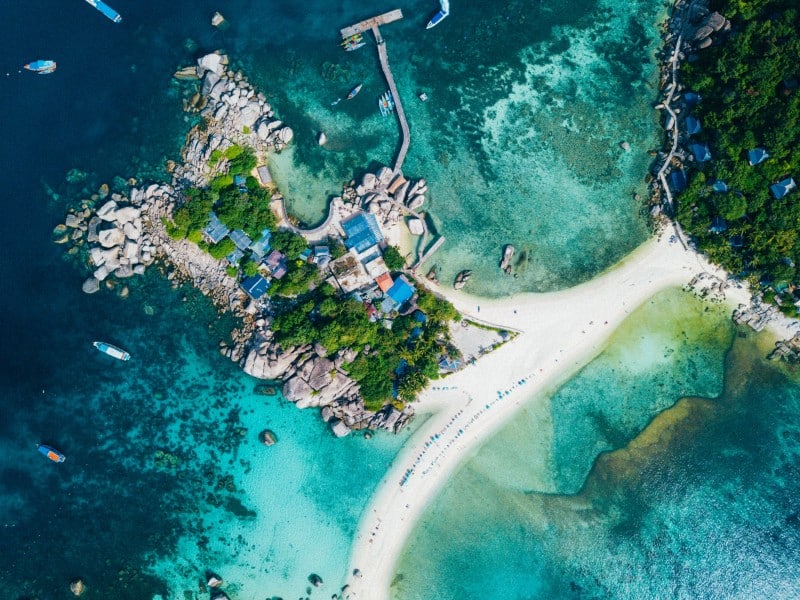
373,24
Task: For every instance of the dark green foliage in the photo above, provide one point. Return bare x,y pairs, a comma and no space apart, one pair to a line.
339,323
337,247
249,268
296,281
193,214
288,242
393,259
242,163
750,99
222,249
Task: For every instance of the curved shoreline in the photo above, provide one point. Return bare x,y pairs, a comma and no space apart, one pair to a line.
560,333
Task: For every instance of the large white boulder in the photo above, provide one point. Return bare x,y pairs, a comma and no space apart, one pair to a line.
109,238
211,62
126,214
106,212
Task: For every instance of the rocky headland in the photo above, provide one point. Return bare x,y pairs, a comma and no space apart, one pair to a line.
124,233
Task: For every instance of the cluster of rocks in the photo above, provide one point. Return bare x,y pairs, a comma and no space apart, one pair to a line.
756,315
234,113
386,195
788,350
697,24
311,379
709,287
115,235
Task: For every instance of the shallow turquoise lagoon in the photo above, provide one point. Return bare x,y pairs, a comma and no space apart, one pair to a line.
692,495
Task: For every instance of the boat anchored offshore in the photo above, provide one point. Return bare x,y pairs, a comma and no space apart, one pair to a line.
354,92
112,351
444,10
51,453
106,10
42,67
386,103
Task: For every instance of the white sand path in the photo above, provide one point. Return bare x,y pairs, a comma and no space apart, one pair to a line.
560,332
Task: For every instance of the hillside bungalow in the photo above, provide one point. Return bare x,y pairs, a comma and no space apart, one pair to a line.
241,240
719,186
261,246
322,256
756,156
701,152
693,125
276,261
718,225
362,232
240,181
255,286
691,99
780,189
234,257
677,180
216,230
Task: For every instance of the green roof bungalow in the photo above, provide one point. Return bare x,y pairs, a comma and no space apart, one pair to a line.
756,156
780,189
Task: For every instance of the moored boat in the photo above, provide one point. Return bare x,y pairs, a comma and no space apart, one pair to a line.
354,92
51,453
354,46
508,254
353,39
112,350
42,67
436,19
106,10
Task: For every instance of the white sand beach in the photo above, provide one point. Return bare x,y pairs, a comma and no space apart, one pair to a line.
559,333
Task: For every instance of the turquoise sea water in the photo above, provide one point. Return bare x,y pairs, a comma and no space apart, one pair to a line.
692,496
519,143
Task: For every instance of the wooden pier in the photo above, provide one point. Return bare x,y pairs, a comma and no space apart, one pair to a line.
362,26
373,24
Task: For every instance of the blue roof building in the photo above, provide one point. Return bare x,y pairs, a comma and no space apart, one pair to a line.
235,256
362,232
693,125
701,152
691,99
719,186
401,291
261,246
240,181
241,240
718,225
255,286
780,189
756,156
677,179
216,230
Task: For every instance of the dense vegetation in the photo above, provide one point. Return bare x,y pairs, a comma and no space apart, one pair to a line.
750,99
239,207
403,358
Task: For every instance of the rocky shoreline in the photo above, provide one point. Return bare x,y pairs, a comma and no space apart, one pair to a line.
124,234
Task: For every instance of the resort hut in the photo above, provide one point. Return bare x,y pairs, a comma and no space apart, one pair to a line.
692,125
718,225
261,246
780,189
701,152
677,180
691,99
255,286
756,156
719,186
241,239
216,230
362,232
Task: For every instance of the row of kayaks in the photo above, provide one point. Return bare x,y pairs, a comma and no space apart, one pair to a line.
105,348
353,42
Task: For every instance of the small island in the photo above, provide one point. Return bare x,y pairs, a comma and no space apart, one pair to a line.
333,313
